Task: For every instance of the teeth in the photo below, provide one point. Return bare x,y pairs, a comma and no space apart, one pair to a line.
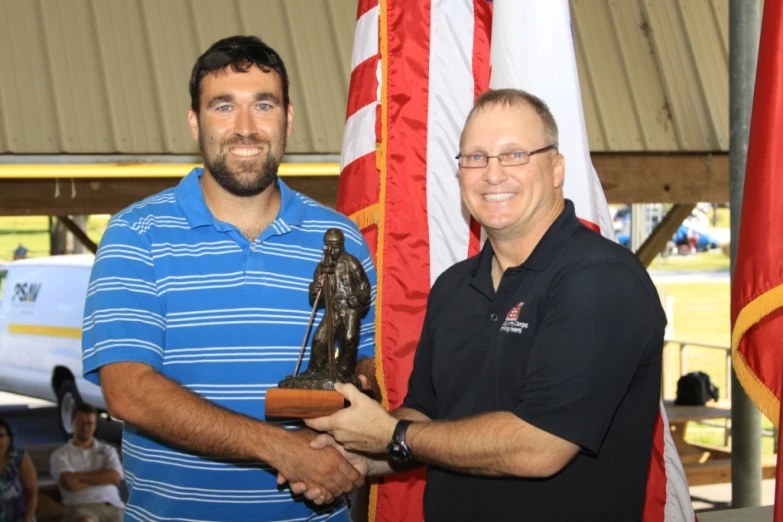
245,152
499,197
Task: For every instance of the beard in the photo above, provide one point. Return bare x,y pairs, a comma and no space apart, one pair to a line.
246,180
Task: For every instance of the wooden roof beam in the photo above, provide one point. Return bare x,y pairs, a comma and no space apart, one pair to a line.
626,178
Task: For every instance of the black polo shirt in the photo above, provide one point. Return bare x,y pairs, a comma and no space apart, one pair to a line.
571,343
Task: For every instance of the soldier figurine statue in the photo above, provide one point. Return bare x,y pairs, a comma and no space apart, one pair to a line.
342,285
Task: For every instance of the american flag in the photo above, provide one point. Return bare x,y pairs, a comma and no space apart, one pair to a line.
416,69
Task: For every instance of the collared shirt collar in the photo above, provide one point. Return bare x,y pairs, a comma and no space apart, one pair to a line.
190,198
551,244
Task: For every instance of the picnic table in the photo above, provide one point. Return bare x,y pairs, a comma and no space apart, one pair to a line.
705,463
680,416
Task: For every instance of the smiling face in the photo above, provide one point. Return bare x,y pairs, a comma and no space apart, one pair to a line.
242,128
510,201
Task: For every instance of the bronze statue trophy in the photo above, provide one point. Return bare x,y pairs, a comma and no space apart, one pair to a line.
342,285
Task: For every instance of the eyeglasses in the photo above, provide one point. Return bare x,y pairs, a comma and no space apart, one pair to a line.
479,160
257,54
81,423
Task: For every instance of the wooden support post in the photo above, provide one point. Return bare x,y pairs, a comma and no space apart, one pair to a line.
78,233
663,232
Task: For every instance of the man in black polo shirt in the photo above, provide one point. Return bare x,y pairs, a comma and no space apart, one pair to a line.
536,381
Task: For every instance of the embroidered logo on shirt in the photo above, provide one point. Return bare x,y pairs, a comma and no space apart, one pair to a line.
511,324
513,314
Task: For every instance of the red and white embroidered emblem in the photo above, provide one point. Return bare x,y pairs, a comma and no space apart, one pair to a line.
513,314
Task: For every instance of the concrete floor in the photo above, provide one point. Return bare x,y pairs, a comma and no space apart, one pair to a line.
718,496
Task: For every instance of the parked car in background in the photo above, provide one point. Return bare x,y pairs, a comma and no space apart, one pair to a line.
41,309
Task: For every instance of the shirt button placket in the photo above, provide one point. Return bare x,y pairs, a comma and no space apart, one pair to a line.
248,251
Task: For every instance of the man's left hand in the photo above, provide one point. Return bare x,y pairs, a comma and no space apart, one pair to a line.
363,426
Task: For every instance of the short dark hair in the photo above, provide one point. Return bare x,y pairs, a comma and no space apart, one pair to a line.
516,98
240,62
83,408
4,424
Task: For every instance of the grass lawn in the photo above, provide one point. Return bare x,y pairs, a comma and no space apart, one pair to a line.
724,218
701,315
28,231
712,261
32,232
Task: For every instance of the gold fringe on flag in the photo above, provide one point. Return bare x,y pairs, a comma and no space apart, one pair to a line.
380,158
367,216
750,315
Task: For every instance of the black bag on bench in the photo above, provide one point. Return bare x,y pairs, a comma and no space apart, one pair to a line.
695,389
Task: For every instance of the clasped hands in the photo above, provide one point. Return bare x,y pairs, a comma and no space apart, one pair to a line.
359,433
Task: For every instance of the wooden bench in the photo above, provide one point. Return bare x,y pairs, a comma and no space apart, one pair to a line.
718,471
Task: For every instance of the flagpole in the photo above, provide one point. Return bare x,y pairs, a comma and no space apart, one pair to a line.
744,30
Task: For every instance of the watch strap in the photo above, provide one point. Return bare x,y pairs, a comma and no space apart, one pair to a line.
399,431
398,449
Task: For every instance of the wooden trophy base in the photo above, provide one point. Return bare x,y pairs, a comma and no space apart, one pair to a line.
290,403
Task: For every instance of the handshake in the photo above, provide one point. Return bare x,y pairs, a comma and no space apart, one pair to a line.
340,451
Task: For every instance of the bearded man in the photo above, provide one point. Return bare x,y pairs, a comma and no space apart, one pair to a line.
198,302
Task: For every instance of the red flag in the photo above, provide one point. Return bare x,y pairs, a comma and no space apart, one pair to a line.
757,284
416,69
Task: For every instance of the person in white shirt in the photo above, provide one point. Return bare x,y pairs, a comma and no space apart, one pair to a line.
88,472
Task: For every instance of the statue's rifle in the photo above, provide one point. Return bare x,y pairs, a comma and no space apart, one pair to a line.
312,318
329,311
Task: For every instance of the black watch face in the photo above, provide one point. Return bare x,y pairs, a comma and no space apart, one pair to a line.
399,452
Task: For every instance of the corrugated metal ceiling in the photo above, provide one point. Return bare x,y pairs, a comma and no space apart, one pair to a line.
110,76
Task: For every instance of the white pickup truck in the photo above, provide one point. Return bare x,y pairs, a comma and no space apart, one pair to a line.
41,308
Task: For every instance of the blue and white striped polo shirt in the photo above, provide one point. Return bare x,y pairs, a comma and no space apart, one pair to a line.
177,289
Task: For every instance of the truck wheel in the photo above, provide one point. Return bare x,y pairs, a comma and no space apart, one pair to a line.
67,399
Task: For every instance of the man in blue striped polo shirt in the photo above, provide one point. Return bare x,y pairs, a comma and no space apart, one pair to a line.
198,303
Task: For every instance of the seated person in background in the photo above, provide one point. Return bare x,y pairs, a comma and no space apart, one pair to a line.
18,482
88,472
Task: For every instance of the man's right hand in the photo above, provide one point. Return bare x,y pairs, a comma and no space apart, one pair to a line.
322,441
325,473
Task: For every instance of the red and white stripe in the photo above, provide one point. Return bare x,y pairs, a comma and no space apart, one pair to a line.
357,156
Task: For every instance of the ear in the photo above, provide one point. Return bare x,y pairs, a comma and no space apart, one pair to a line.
558,171
193,124
290,126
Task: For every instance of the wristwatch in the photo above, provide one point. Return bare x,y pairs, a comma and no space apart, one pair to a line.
398,450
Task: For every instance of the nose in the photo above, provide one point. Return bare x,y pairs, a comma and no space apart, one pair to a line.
494,172
244,125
